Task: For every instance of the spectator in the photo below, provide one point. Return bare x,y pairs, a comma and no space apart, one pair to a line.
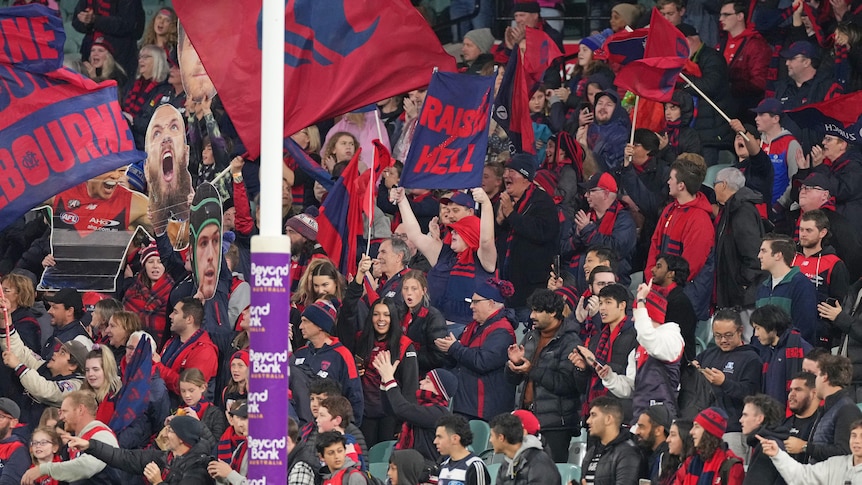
235,471
332,415
149,87
319,390
712,463
679,137
121,325
787,287
838,412
102,66
606,132
586,312
339,467
752,161
45,448
526,460
148,295
480,353
781,146
840,147
805,82
845,320
301,458
476,50
669,276
734,371
803,403
680,446
237,388
747,55
193,388
66,310
119,22
781,349
528,231
834,470
547,382
760,417
738,233
13,452
161,30
423,323
18,297
652,432
460,466
406,467
613,457
189,347
826,271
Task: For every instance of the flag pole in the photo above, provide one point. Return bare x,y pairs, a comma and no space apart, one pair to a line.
372,182
634,123
221,175
706,98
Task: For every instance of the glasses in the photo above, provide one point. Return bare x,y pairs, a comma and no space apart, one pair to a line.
723,336
476,300
806,188
41,443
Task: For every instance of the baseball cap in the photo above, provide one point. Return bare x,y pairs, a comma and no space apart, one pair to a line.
602,181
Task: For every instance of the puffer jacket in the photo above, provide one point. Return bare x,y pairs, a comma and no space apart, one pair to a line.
737,242
761,470
187,469
530,466
556,385
621,461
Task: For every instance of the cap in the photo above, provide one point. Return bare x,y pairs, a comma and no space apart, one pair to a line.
9,407
821,180
713,420
241,411
528,420
187,428
687,30
769,105
602,181
528,6
660,415
801,47
77,352
68,297
847,135
609,93
460,198
524,164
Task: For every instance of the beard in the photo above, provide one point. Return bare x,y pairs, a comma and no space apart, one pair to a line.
168,200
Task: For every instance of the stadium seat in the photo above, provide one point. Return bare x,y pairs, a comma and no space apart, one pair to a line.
493,469
481,435
380,452
569,472
378,470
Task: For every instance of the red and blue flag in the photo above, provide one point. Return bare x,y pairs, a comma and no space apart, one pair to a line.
451,139
134,397
307,165
339,56
58,128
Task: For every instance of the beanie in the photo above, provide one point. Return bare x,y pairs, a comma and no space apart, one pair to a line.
524,164
323,314
630,13
596,41
444,381
483,38
656,306
528,6
187,429
149,251
305,225
569,294
713,420
494,289
528,420
241,355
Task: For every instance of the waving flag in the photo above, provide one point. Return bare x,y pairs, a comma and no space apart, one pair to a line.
624,47
451,140
339,55
134,397
58,128
844,110
665,54
541,52
307,165
512,106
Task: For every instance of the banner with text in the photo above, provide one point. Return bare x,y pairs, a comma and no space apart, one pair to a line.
449,147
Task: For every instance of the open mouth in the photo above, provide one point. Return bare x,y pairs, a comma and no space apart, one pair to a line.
168,165
109,184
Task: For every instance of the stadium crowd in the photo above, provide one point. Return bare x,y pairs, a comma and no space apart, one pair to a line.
685,306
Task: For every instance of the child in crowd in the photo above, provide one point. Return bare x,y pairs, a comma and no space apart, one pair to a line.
45,448
237,388
334,412
193,386
332,449
234,470
234,436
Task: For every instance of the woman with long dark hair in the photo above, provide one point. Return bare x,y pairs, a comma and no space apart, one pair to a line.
680,446
712,463
382,332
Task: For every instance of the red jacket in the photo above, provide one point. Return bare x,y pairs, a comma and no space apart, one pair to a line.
748,67
199,352
684,230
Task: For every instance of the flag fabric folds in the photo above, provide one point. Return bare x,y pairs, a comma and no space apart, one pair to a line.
624,47
309,166
134,397
58,128
339,56
844,110
451,139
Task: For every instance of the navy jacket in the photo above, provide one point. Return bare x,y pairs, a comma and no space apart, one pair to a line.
336,362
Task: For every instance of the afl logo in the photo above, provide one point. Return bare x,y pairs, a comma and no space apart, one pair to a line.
69,218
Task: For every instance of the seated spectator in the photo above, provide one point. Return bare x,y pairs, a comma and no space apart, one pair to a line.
406,467
781,349
476,50
845,172
149,86
679,136
652,433
319,390
613,457
302,460
13,451
66,309
606,132
332,415
833,470
236,470
237,388
339,466
460,465
838,412
527,460
680,446
102,66
121,325
193,388
711,463
45,446
752,161
18,297
669,277
803,403
807,81
787,287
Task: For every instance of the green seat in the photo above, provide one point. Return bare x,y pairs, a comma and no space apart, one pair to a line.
481,435
378,470
493,470
711,172
568,473
380,452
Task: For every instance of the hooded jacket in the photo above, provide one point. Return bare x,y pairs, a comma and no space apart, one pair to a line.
829,276
743,373
648,190
761,470
410,465
781,363
796,295
530,466
737,243
608,140
620,462
187,469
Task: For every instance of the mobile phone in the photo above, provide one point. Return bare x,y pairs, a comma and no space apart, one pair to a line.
832,301
557,272
597,363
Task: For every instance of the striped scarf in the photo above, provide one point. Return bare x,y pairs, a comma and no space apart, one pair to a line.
603,352
238,455
174,348
423,398
228,443
520,207
606,226
137,96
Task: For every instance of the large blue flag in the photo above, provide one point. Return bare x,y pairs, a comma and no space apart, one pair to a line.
307,165
451,140
134,397
58,128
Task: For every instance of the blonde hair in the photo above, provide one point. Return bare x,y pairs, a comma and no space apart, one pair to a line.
113,383
161,69
150,37
130,322
24,287
313,139
329,149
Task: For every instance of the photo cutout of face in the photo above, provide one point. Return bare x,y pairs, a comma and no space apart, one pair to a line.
167,173
206,237
196,81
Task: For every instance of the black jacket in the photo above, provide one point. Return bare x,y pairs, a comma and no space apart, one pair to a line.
849,322
681,311
530,466
761,470
742,376
535,232
648,190
427,324
715,83
556,385
621,462
188,469
423,419
737,242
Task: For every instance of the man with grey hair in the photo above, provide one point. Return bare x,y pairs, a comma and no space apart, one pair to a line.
391,265
737,240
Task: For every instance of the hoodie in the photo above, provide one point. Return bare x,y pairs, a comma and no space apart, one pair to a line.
684,230
411,465
352,478
530,465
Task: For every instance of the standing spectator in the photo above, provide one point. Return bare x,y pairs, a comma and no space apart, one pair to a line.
189,347
302,461
480,353
669,277
652,432
733,370
752,161
711,463
824,269
781,146
747,55
148,295
14,458
606,131
121,325
119,22
806,82
161,31
685,229
738,234
760,417
803,403
679,137
66,310
831,432
548,384
528,231
782,349
422,322
787,287
476,50
841,148
18,297
147,90
613,456
526,459
460,466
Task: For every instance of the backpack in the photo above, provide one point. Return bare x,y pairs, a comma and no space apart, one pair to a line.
695,392
369,478
726,465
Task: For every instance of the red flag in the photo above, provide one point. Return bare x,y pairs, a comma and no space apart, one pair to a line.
521,120
541,52
664,39
368,191
652,78
339,56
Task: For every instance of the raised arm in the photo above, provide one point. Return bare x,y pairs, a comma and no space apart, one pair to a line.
427,245
487,248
